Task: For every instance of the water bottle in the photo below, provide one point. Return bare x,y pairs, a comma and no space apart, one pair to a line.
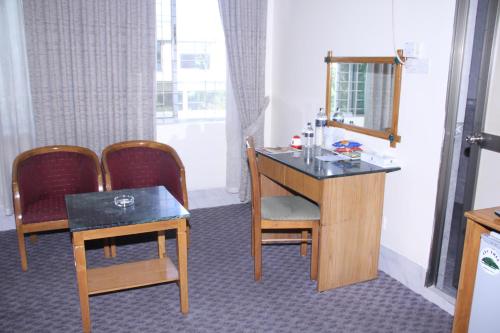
338,116
308,136
320,127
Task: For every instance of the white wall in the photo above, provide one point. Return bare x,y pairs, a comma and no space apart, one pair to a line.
6,221
305,30
202,149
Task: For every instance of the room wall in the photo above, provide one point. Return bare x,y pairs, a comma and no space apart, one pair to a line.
303,31
201,145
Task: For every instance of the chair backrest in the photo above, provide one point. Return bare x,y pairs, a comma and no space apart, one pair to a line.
135,164
53,171
254,175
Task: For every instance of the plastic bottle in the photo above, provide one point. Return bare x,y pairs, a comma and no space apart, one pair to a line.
320,128
338,116
309,135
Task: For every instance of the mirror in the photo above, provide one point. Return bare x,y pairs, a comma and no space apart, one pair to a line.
362,95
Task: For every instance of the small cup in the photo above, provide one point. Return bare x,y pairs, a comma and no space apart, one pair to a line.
124,200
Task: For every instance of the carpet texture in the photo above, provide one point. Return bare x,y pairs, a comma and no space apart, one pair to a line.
223,296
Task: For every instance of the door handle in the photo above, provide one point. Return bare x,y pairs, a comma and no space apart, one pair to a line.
474,139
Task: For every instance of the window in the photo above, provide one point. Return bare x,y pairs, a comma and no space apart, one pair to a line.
190,60
348,91
159,50
199,61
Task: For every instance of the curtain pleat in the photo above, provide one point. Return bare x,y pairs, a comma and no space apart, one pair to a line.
92,70
244,24
379,96
16,116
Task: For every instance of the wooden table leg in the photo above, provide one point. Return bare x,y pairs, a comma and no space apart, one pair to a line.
81,276
182,259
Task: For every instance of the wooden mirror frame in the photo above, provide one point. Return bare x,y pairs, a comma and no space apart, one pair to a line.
390,134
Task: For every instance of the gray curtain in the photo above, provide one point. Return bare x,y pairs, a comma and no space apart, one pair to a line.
92,70
244,23
16,118
379,96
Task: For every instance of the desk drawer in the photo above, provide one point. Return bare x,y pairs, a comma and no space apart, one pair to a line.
303,184
271,169
293,179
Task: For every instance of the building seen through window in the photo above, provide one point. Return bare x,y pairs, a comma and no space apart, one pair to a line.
190,60
348,90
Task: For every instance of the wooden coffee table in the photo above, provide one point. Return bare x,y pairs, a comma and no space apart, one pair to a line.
95,216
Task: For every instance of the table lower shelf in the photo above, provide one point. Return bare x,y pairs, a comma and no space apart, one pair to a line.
131,275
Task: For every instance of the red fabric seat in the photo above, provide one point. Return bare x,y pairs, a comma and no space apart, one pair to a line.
41,178
136,164
50,208
45,179
143,166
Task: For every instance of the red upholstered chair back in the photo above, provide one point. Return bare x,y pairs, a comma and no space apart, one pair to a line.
135,164
54,171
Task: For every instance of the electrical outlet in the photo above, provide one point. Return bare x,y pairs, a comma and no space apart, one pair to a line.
417,66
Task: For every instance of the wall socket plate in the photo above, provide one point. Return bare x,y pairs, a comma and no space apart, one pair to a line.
417,66
412,49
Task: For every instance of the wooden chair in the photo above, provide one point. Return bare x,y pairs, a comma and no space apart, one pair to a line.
135,164
280,213
41,177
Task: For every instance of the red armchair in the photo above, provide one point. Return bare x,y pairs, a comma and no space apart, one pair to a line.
41,177
135,164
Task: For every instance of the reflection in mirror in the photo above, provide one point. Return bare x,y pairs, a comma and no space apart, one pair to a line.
362,94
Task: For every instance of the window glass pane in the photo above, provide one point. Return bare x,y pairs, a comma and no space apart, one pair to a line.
190,60
349,83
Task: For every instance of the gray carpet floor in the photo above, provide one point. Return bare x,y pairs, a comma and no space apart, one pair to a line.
223,296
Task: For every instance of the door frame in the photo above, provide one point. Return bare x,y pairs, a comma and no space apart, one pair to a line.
483,86
452,105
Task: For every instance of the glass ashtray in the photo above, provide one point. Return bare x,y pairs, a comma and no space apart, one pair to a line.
124,201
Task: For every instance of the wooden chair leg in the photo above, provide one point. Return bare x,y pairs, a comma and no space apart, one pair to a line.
106,248
252,245
188,235
161,244
109,248
33,238
112,247
257,258
314,251
303,244
22,249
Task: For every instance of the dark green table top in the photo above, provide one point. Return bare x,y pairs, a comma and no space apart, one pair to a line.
97,210
306,162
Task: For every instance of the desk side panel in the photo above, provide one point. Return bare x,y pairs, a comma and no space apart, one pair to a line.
351,219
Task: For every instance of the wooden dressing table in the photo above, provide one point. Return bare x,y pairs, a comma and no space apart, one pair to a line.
350,195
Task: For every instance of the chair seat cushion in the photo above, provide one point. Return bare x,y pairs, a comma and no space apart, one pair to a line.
51,208
288,208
